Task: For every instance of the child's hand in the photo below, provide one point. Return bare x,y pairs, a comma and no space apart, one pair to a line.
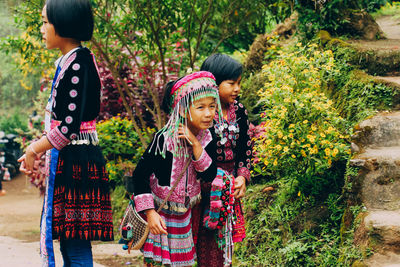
240,187
23,168
156,223
185,133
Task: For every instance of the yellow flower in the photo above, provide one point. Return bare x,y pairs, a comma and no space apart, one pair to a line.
303,153
290,135
293,156
305,121
285,149
279,147
335,152
314,150
327,151
313,127
291,125
275,162
311,138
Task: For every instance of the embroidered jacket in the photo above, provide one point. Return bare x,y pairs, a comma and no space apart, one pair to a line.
235,146
154,175
76,96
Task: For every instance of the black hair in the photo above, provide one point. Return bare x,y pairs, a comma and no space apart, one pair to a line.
71,18
166,104
223,67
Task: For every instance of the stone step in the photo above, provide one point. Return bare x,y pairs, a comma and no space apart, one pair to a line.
379,177
376,57
384,229
388,259
382,130
389,154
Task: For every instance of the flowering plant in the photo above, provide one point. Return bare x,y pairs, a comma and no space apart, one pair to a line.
121,146
302,133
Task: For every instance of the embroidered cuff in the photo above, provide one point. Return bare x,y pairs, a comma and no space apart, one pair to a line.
57,139
144,202
244,172
203,162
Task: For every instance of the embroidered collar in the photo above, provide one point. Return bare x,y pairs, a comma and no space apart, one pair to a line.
61,60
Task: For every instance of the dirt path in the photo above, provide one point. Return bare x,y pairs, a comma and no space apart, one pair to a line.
20,212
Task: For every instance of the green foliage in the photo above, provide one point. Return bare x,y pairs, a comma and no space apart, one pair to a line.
119,204
13,97
302,133
121,146
13,123
359,96
390,9
283,230
331,15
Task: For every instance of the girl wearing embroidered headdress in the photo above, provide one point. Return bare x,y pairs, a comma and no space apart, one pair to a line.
77,205
192,103
234,151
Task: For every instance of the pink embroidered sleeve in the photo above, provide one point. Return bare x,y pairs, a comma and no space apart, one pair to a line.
203,162
57,139
245,172
144,202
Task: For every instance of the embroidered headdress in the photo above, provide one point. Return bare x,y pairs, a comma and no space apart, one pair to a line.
184,92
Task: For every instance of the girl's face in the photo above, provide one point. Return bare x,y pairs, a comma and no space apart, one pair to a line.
202,112
229,90
50,37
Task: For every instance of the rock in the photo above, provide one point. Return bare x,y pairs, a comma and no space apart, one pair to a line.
354,148
382,130
363,24
386,259
379,178
288,27
357,162
256,55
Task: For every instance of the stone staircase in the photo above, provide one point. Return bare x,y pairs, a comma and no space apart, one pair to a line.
378,142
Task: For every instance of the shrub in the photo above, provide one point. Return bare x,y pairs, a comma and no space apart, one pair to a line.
12,123
303,132
121,146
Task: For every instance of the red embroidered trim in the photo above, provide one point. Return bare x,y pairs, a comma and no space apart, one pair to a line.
57,139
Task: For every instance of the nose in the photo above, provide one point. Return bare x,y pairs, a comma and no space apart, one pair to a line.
237,88
210,112
42,30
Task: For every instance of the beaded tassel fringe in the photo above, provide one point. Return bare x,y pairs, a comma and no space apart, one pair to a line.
179,116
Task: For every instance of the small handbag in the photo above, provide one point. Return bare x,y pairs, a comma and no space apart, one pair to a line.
133,227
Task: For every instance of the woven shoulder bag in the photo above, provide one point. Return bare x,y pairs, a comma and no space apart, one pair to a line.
133,227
